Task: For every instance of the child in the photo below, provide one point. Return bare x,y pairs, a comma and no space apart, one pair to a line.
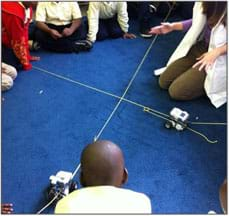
107,20
103,173
60,27
15,22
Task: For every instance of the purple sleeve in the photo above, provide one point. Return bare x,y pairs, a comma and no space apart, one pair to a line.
187,24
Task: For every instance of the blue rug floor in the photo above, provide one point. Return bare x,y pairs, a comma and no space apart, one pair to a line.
58,107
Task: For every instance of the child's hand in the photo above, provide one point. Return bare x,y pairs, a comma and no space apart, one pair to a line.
7,208
129,36
55,34
67,32
35,58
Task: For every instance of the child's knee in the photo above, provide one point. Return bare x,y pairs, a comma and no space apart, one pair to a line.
7,82
116,34
9,70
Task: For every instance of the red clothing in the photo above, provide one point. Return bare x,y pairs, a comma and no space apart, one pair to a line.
15,31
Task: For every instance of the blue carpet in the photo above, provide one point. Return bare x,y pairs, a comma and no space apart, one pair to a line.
46,122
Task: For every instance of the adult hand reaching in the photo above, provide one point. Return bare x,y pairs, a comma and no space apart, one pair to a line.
164,28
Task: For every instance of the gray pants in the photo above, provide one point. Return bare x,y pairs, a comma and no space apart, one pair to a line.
182,81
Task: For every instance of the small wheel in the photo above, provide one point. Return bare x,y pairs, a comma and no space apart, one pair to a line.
73,186
50,192
168,124
179,127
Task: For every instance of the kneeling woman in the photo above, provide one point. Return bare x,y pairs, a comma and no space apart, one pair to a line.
198,65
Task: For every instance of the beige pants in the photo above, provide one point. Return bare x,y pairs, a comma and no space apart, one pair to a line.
182,81
9,73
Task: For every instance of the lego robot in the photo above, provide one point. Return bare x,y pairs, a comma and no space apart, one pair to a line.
61,185
178,119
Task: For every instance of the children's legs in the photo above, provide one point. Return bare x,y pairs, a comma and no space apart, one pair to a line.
102,32
32,30
9,73
80,33
9,70
114,28
7,82
144,16
10,58
64,44
82,30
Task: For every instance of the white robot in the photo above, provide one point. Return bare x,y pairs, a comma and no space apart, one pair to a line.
61,185
178,119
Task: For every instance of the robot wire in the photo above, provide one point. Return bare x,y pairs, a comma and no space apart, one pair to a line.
54,198
207,123
47,205
118,97
132,79
127,88
195,131
116,107
202,135
146,109
76,170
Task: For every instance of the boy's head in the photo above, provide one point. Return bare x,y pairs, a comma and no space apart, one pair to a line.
102,163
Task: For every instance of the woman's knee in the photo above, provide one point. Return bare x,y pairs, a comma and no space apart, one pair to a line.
175,93
163,82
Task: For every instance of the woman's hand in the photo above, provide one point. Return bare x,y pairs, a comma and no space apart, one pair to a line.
207,59
164,28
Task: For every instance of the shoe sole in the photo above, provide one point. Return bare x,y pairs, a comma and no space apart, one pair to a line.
145,35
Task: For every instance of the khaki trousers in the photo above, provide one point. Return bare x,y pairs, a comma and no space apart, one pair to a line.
182,81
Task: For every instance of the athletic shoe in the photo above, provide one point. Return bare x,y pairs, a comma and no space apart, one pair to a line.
82,45
145,34
34,45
